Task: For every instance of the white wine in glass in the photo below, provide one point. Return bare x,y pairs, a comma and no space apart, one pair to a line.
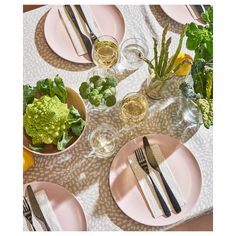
134,108
105,52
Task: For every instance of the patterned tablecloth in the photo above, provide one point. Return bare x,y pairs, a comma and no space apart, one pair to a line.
78,170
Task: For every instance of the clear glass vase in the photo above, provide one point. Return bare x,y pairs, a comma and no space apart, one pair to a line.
190,111
158,88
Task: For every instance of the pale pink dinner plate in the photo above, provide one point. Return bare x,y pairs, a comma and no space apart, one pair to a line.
108,18
180,14
127,194
68,210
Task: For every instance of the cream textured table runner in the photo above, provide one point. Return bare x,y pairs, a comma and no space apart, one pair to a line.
78,170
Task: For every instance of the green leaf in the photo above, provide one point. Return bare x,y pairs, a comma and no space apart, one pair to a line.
28,95
197,72
73,111
44,87
208,15
78,127
200,38
110,100
37,148
75,121
59,89
52,88
63,141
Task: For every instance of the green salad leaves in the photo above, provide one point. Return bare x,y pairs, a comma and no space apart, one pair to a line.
47,117
200,37
200,40
99,90
52,88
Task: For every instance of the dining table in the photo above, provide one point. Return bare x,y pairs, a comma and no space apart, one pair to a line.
78,169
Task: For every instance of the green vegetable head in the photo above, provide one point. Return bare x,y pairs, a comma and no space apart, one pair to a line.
108,92
45,119
97,81
84,90
99,90
110,100
111,81
95,98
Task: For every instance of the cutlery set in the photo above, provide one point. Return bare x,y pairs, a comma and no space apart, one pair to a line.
35,208
87,41
151,160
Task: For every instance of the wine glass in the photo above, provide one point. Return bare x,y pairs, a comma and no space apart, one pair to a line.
130,52
134,108
103,140
105,54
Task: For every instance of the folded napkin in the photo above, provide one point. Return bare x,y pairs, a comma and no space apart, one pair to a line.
147,188
48,213
73,32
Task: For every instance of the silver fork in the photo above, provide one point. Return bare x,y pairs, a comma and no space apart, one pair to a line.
92,35
27,212
143,164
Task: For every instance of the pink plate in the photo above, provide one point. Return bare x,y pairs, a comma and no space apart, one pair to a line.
108,18
180,14
124,186
68,210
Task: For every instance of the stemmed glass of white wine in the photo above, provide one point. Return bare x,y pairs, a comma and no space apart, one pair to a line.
105,54
134,109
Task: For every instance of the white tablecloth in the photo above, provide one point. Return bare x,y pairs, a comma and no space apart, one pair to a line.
84,174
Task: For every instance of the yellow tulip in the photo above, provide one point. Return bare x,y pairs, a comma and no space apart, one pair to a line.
184,69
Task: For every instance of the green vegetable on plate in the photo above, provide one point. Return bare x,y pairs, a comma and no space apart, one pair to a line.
47,118
99,90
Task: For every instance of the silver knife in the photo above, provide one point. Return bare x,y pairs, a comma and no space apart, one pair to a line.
154,164
36,208
85,39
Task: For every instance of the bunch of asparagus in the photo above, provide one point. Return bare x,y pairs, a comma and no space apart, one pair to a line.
162,66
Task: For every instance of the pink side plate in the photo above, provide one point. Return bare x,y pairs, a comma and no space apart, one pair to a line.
68,210
126,192
179,13
108,18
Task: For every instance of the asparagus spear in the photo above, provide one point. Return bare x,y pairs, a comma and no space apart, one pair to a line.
155,55
166,56
162,48
146,60
170,67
